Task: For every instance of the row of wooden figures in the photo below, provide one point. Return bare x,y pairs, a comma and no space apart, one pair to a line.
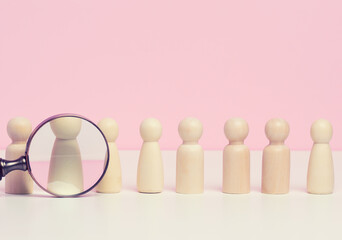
190,158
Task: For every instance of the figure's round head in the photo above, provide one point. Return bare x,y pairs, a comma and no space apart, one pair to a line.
236,129
321,131
110,129
150,130
66,127
190,129
19,129
277,130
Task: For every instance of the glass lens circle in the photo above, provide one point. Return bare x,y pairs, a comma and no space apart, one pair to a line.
67,155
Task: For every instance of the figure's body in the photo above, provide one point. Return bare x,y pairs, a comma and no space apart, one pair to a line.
320,178
18,182
236,158
190,158
65,170
276,158
111,181
150,174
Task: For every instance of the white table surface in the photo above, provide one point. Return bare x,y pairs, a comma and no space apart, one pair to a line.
168,215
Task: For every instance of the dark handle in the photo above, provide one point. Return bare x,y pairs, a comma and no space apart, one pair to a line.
9,166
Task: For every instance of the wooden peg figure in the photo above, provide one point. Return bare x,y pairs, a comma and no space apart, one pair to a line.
18,182
111,181
65,170
236,158
150,176
190,158
320,178
276,158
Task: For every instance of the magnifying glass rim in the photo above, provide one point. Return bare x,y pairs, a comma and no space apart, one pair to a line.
40,126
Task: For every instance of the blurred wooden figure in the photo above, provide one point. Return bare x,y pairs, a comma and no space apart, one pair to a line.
236,158
18,182
150,175
112,180
320,178
276,158
190,158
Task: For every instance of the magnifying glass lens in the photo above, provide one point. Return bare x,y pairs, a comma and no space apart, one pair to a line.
67,156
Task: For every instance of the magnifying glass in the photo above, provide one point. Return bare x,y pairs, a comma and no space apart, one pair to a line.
66,155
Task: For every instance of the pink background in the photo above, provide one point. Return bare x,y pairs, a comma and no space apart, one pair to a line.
170,59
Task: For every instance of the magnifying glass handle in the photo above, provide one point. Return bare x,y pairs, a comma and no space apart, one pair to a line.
9,166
